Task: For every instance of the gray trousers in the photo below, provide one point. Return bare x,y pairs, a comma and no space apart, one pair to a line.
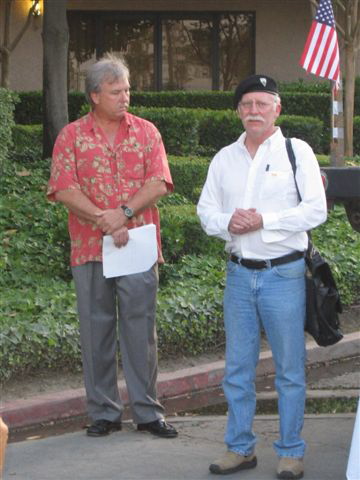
124,308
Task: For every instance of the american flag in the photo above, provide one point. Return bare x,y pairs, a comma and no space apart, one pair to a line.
321,52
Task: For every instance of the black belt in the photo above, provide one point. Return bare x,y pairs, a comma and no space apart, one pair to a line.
259,264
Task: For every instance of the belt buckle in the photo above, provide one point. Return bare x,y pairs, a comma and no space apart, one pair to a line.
262,264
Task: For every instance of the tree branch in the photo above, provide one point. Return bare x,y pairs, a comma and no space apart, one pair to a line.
19,36
341,5
340,30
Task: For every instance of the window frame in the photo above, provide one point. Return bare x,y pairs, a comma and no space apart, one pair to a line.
157,18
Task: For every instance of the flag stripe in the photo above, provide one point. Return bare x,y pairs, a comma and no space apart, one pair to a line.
329,55
321,52
318,51
330,58
325,51
305,55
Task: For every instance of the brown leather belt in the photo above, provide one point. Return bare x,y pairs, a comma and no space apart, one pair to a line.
260,264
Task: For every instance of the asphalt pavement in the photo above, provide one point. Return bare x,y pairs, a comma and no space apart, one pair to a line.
132,455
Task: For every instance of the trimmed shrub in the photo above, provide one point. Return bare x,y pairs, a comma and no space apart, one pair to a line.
29,110
357,97
302,86
309,129
7,100
189,174
27,141
76,101
214,100
217,129
189,314
313,98
194,131
357,135
179,128
316,105
182,234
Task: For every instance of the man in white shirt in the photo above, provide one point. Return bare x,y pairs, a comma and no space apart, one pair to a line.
250,201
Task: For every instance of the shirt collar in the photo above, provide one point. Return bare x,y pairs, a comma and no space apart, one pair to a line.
271,142
90,123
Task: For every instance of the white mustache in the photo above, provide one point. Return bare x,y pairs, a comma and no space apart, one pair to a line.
254,117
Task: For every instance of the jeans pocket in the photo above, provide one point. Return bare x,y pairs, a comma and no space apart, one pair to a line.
231,267
291,270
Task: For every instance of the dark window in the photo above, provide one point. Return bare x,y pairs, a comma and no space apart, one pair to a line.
186,55
166,51
236,49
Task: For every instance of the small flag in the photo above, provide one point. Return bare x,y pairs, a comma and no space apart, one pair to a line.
321,52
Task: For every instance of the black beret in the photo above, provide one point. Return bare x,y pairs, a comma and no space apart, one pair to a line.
254,83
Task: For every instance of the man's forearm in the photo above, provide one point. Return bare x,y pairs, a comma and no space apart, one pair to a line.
147,196
79,204
112,219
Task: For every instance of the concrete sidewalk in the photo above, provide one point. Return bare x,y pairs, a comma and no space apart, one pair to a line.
131,455
179,391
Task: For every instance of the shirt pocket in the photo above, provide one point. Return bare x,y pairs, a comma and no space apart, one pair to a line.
275,185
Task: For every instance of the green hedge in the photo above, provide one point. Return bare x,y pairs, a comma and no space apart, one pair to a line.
203,132
217,129
179,128
316,104
27,141
38,322
189,174
297,98
28,110
7,100
309,129
182,234
189,132
357,135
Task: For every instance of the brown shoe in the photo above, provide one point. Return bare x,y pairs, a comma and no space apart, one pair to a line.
231,462
290,467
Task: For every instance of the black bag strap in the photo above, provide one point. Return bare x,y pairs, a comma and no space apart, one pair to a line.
292,160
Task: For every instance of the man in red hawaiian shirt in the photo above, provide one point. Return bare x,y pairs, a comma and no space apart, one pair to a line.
109,168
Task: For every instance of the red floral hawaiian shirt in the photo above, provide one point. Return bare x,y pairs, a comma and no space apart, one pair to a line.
108,175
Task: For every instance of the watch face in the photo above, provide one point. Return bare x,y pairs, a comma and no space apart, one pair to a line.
128,212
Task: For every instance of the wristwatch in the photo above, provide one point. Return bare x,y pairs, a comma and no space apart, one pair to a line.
128,212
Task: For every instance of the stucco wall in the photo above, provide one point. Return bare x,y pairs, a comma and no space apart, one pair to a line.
26,59
281,30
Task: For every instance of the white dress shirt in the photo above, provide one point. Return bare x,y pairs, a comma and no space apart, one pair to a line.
266,183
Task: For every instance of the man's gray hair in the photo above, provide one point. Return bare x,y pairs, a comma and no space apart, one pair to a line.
108,69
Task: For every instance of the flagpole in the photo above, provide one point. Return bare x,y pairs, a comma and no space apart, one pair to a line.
337,126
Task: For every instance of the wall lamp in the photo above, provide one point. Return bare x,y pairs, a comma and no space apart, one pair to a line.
35,7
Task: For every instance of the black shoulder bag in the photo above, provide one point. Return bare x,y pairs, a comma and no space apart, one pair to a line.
323,302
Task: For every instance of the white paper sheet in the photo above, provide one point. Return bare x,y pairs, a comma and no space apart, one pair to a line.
138,255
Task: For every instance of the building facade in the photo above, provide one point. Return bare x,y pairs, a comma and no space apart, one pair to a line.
171,44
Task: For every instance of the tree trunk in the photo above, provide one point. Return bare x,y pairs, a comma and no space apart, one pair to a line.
5,68
5,51
55,99
349,98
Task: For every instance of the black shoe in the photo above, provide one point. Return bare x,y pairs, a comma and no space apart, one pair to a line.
100,428
159,428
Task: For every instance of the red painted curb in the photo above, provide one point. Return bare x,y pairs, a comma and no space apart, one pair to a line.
70,403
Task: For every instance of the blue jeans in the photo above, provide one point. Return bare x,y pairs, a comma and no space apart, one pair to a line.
275,299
